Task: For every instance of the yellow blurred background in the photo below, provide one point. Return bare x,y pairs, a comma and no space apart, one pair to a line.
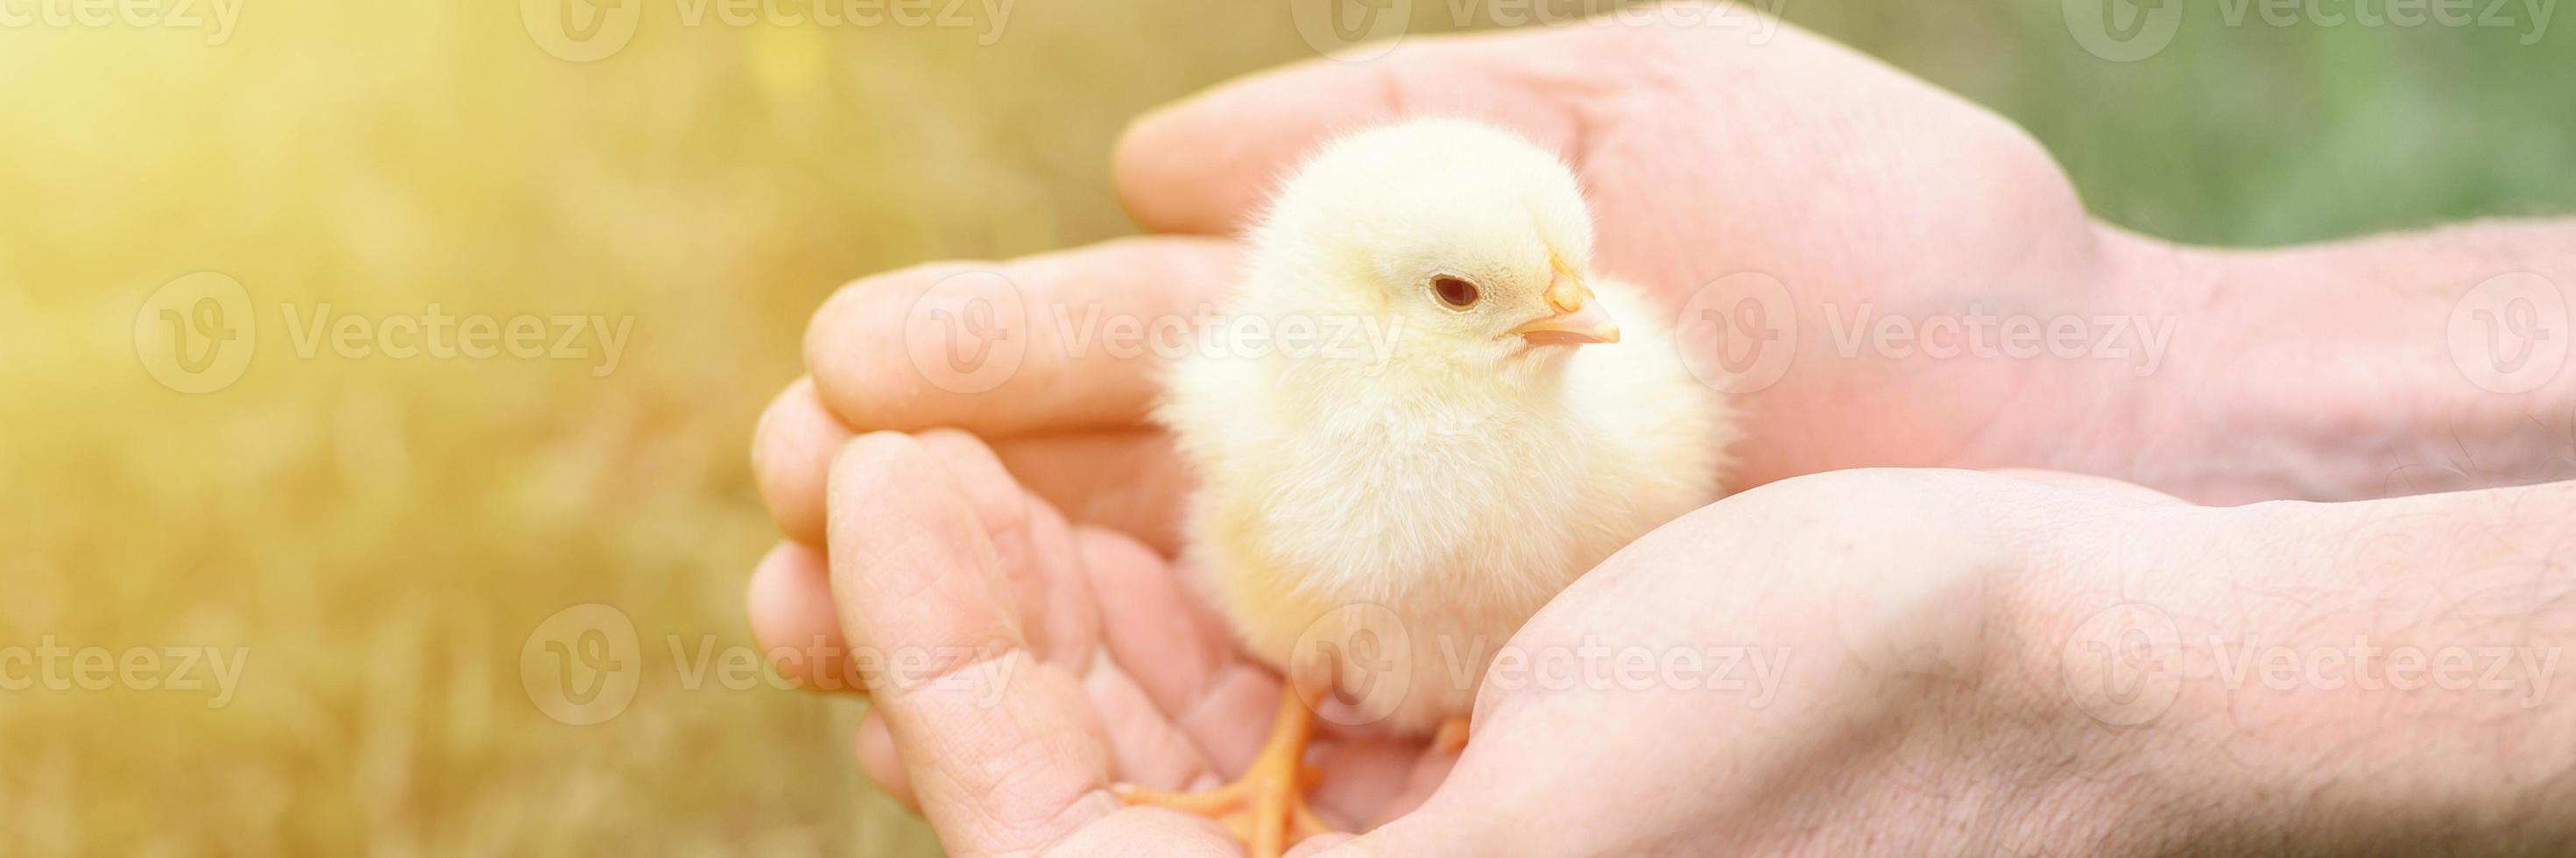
379,539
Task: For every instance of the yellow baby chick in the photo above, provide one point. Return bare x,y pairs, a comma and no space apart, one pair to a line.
1369,517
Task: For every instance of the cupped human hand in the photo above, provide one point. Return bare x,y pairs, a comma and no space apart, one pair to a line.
1783,194
1845,663
1824,665
1019,664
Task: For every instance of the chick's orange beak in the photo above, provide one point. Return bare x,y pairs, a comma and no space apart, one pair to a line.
1578,318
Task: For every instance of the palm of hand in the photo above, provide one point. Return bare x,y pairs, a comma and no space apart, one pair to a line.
1028,662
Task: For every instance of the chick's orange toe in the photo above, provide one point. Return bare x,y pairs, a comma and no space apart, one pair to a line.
1266,808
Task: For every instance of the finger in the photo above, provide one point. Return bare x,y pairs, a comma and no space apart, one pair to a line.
1129,481
790,603
791,454
1152,832
1043,343
1126,480
1032,545
1171,647
1146,746
878,759
1181,656
1002,751
1003,510
1206,165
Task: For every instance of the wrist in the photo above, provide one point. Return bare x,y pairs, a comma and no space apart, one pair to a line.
2357,370
2327,677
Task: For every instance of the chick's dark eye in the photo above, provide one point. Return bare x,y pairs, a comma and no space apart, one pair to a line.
1454,291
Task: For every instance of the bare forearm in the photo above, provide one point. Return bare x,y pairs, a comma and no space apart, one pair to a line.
2340,677
2389,365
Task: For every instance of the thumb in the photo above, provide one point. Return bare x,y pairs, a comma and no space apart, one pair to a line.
1206,164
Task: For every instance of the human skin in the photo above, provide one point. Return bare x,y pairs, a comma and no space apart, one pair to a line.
1953,672
1712,164
1714,167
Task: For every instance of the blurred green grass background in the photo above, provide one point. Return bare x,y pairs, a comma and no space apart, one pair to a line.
382,535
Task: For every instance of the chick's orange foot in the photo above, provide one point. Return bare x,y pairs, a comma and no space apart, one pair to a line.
1266,808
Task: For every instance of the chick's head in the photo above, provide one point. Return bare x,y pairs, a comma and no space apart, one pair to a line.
1472,242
